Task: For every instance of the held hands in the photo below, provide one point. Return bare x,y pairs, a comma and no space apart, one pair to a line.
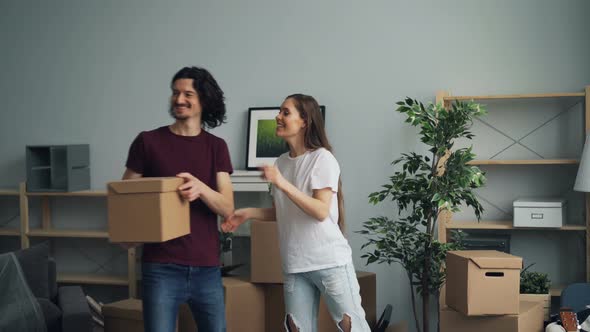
192,187
231,223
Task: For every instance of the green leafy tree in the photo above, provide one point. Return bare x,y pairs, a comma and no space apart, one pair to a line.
422,189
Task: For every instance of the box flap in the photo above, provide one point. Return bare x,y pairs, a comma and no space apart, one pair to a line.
491,259
146,185
526,306
545,202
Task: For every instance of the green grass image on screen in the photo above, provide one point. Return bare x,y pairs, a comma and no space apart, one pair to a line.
268,145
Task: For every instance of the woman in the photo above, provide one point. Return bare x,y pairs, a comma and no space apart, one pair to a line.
307,199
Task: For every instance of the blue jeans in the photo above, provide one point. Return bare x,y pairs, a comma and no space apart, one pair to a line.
341,292
166,286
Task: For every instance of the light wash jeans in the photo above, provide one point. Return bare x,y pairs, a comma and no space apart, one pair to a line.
338,286
166,286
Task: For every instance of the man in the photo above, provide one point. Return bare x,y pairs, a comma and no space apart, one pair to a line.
186,269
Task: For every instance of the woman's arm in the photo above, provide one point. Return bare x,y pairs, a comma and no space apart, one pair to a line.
317,206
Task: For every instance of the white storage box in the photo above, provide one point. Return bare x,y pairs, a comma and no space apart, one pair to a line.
539,212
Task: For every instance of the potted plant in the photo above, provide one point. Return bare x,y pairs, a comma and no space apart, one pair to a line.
534,286
423,187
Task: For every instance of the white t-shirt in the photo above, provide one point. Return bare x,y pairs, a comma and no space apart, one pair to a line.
306,243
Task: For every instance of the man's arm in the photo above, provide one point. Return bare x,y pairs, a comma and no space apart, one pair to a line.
220,201
129,174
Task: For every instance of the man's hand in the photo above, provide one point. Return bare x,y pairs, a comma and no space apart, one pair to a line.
192,187
227,227
231,223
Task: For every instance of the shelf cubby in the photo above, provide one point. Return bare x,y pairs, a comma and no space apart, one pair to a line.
58,167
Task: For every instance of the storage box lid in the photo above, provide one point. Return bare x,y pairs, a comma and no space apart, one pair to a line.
146,185
539,202
490,259
129,309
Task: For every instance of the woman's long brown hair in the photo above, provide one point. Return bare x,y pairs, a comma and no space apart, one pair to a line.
315,137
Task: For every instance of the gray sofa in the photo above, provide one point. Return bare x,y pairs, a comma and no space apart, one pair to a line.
65,308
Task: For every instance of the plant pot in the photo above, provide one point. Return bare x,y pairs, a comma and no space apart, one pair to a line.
545,298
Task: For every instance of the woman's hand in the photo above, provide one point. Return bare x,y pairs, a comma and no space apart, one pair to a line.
192,187
231,223
272,174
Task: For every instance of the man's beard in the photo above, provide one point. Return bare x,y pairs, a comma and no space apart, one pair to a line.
175,115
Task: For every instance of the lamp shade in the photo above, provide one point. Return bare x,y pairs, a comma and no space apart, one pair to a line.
583,177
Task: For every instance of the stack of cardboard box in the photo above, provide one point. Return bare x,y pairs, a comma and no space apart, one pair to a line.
244,310
266,270
150,210
482,294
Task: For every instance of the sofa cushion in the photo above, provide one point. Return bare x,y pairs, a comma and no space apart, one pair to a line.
34,264
51,313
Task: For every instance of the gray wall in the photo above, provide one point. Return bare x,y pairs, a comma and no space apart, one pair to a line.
98,72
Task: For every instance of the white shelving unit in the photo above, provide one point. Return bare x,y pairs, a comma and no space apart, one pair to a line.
248,181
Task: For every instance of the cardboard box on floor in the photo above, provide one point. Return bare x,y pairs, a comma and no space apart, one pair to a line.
147,210
275,306
244,307
123,316
265,259
543,298
483,282
529,319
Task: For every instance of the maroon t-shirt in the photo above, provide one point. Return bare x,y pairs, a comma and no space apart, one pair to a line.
160,152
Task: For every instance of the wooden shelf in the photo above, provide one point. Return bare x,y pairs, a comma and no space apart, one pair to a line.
241,180
9,192
82,193
68,233
525,162
487,225
557,101
9,232
519,96
555,290
92,279
40,168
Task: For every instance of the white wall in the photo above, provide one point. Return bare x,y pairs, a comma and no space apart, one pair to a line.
98,72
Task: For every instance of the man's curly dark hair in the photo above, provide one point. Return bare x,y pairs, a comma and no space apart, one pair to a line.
210,94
